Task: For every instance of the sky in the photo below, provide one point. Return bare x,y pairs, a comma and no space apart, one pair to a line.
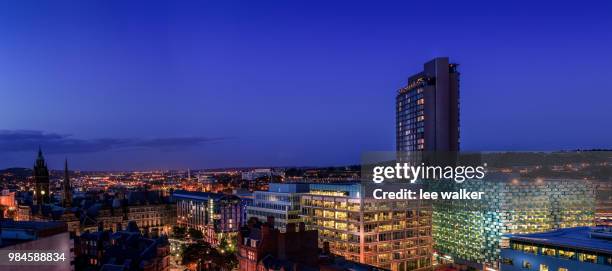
121,85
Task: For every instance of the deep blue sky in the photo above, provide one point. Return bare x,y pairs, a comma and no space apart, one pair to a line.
157,85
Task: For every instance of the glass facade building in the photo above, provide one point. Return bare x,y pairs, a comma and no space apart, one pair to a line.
391,234
281,201
471,231
216,215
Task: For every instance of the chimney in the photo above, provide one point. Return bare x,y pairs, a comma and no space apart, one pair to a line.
302,227
271,222
290,227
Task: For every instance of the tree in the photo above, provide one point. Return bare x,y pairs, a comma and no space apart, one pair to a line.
204,256
198,255
195,234
178,232
227,245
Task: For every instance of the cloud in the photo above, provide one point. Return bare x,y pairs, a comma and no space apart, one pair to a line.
29,140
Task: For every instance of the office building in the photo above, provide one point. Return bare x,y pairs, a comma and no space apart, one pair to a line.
262,247
427,109
246,199
571,249
154,216
389,234
603,213
216,215
469,232
281,201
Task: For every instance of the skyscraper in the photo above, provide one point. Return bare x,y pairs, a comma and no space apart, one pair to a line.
41,180
67,189
427,109
427,120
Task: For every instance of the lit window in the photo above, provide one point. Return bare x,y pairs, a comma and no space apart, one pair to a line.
530,249
563,269
589,258
251,255
543,267
567,254
526,264
549,251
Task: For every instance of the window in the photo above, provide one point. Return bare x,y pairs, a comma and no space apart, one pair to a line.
251,255
567,254
549,251
526,264
530,249
507,261
589,258
543,267
562,269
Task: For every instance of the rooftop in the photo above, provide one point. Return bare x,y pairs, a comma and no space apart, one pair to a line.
200,195
583,238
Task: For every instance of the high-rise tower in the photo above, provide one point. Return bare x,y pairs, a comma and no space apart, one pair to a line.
41,180
67,189
427,109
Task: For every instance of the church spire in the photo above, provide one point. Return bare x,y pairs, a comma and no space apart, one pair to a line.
41,180
40,155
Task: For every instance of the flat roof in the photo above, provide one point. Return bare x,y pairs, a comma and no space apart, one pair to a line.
201,195
582,238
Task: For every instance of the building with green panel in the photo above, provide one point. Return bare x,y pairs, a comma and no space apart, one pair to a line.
470,231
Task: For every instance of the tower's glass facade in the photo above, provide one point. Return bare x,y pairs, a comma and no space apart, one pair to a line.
427,109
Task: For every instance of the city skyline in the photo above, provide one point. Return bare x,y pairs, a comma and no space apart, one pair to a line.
207,86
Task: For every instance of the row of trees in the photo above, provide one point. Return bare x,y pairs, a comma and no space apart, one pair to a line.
201,255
